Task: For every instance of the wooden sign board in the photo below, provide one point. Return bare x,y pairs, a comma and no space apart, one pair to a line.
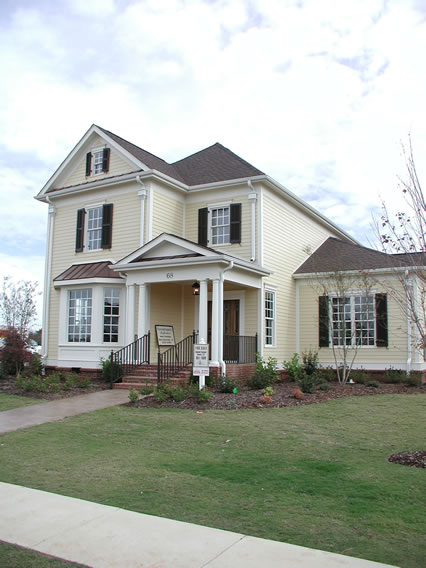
165,335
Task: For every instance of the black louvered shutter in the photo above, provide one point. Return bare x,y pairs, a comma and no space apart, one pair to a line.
105,160
107,226
235,233
88,163
381,320
202,226
79,235
323,321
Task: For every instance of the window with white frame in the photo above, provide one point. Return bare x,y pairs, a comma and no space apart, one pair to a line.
80,315
269,317
353,321
98,158
94,228
111,314
220,227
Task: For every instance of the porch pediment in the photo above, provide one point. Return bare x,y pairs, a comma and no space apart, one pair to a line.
168,247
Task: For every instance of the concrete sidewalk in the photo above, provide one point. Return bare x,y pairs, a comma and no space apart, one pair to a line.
102,536
27,416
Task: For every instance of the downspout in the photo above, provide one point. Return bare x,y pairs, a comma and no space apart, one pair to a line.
408,291
252,198
221,280
142,195
47,277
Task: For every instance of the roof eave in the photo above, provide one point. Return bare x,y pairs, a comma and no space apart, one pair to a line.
398,269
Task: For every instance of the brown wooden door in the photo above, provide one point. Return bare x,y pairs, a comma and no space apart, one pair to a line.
231,329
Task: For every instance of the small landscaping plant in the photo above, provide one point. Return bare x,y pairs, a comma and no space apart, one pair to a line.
327,374
414,379
203,395
294,368
310,361
110,371
359,376
146,389
373,384
133,396
265,374
394,376
268,391
226,384
307,383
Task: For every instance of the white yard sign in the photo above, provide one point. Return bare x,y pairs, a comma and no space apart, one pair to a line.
201,363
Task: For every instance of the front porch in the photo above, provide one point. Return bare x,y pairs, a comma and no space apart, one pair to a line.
200,294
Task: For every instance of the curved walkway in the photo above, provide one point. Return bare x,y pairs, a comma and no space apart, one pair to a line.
27,416
100,536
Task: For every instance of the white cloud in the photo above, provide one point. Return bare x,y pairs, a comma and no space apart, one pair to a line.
316,94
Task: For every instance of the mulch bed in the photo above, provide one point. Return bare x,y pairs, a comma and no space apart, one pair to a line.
412,459
283,396
7,386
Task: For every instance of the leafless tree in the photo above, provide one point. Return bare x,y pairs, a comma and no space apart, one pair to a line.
346,318
403,235
17,305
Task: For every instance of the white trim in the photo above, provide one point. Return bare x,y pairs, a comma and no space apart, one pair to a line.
210,209
47,280
88,281
260,227
271,290
297,316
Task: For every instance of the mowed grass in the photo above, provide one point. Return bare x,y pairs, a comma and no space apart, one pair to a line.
16,557
315,475
9,401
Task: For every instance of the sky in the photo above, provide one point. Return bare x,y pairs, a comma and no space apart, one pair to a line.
318,94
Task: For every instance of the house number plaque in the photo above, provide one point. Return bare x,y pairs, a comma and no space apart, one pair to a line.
170,275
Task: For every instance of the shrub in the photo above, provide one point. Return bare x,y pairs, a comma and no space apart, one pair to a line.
194,380
109,371
293,367
203,395
146,389
324,386
414,379
265,374
326,374
160,395
268,391
178,394
82,382
298,394
310,361
394,376
36,366
226,384
14,354
133,396
307,383
359,376
373,384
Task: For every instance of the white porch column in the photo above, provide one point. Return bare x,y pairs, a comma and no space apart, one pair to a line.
216,308
220,321
203,312
130,313
142,315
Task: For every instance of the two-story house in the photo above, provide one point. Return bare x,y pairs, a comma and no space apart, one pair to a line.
208,243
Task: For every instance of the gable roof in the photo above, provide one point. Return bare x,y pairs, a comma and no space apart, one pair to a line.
336,255
215,163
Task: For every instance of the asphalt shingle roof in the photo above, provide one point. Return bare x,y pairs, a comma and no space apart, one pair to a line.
336,255
215,163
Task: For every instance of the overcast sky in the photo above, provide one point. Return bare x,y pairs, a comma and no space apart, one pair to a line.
318,94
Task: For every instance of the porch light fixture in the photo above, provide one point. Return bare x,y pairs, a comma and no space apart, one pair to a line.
196,289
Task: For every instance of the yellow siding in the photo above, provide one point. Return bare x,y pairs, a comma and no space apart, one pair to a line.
395,354
243,249
77,175
166,302
167,214
287,234
251,299
125,238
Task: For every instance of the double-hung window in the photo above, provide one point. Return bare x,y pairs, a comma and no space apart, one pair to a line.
353,321
220,226
269,317
80,315
111,314
94,228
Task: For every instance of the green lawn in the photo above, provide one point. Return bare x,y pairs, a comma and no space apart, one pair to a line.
16,557
9,401
315,475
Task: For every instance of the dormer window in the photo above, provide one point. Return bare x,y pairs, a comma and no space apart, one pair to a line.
97,161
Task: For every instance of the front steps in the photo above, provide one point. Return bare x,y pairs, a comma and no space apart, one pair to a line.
146,375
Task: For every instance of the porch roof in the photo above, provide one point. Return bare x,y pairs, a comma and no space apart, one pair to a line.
87,270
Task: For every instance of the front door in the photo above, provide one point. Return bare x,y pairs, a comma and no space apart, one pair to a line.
231,329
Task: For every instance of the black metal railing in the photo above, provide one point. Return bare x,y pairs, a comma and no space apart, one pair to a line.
239,348
176,358
129,357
